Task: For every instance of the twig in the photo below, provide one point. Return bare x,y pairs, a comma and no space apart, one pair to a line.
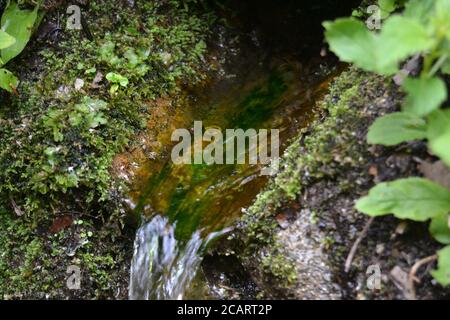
16,208
351,255
411,290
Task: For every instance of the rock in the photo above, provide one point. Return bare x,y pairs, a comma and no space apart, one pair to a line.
314,274
79,83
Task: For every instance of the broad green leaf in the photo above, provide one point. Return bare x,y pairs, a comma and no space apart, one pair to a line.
413,198
396,128
8,81
352,42
440,229
424,95
441,18
439,123
19,24
441,147
446,67
6,40
400,38
387,7
439,134
442,274
419,9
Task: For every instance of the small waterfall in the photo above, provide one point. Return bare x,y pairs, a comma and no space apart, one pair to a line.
194,201
162,268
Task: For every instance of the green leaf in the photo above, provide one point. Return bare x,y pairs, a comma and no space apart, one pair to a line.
75,119
441,18
400,38
424,95
442,274
19,24
441,147
440,229
387,7
439,134
6,40
350,40
132,57
117,78
95,104
113,89
8,81
419,9
396,128
446,67
413,198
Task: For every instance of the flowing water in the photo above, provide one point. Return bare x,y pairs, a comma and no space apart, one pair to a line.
185,208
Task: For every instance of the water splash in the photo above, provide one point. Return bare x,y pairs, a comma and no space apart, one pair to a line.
163,268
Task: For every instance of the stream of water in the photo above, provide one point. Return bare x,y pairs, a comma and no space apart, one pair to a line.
187,207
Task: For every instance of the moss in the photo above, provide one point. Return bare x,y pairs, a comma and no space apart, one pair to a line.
57,142
276,264
34,264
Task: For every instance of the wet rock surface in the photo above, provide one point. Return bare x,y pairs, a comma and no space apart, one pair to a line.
325,171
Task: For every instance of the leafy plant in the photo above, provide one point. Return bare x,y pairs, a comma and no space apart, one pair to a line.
16,29
116,80
423,29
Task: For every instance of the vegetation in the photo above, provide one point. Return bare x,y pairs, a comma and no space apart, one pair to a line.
16,28
87,96
61,130
70,135
422,29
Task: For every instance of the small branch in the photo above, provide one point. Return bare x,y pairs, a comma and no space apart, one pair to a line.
16,208
437,65
411,290
351,255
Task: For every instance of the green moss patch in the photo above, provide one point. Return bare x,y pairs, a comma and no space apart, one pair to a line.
80,103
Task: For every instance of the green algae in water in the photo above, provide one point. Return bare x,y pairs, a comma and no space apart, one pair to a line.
188,206
259,105
210,197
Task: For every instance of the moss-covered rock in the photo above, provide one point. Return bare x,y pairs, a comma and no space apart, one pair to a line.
81,101
295,238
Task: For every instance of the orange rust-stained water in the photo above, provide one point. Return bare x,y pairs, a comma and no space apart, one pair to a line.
186,206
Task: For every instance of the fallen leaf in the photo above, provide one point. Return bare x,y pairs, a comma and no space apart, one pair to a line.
61,223
282,220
